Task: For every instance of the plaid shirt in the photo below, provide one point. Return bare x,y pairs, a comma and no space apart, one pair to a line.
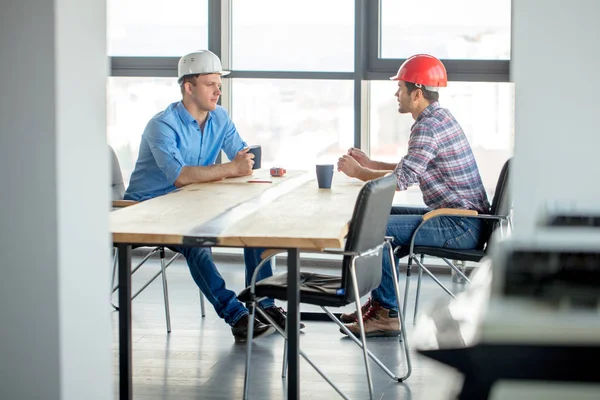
441,162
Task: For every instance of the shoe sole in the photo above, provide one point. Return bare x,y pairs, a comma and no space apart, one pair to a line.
378,334
269,331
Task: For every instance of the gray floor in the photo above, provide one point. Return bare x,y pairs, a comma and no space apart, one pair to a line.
199,360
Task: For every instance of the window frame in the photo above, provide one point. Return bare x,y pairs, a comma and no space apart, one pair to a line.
368,65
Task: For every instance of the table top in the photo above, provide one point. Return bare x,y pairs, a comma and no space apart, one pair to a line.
287,212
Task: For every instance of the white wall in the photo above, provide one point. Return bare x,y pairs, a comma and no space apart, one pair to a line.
556,69
55,329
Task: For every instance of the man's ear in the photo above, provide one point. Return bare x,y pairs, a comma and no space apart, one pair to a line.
418,94
187,86
415,94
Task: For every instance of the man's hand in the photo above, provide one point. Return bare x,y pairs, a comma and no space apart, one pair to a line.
242,163
350,166
360,156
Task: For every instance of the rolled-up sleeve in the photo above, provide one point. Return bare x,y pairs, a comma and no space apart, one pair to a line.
422,148
162,142
233,141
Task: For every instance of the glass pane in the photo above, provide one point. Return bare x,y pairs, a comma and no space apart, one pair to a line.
311,35
298,123
156,28
447,29
132,101
485,111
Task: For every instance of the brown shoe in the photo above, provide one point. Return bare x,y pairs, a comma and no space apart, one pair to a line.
351,317
378,322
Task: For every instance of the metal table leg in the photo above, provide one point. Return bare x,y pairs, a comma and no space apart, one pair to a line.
125,388
293,316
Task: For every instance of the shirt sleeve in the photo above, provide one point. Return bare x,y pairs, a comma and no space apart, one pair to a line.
163,144
422,148
233,141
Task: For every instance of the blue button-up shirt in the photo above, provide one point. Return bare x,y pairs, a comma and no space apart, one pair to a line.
172,139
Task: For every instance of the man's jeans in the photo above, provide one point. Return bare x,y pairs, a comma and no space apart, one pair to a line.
211,283
450,232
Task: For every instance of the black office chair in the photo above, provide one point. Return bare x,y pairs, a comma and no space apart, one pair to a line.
499,214
360,273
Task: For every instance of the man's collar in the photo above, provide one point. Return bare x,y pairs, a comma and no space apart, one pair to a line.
185,115
428,110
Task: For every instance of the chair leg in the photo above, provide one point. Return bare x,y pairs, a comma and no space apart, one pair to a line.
114,272
249,348
457,270
163,269
303,355
407,285
436,280
285,357
202,309
402,319
418,295
362,327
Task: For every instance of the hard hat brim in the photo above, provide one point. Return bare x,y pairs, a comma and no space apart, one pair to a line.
222,73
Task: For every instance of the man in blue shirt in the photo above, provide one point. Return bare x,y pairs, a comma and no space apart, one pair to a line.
179,147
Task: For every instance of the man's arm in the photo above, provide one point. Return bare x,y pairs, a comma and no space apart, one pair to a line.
369,174
240,166
383,166
366,162
189,175
163,145
422,148
351,167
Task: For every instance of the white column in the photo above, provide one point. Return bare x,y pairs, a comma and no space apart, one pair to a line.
555,66
55,326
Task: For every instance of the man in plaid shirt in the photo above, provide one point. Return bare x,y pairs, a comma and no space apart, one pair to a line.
441,162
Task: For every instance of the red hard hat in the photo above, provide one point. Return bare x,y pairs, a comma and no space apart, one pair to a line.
422,69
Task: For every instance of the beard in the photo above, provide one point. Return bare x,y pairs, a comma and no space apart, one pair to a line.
402,109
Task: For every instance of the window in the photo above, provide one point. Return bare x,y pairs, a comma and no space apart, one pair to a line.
312,35
132,101
457,29
485,110
298,123
156,28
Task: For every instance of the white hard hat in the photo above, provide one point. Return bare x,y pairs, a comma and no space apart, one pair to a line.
199,62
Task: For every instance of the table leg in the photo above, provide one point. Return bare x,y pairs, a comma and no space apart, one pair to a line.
125,388
293,314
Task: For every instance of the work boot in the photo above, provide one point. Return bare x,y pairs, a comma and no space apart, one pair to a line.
348,318
240,330
378,322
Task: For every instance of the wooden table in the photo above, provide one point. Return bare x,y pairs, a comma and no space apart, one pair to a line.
290,213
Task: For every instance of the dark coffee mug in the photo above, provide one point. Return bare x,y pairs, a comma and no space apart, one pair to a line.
324,175
257,151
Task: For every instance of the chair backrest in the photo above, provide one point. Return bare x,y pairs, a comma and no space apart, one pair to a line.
500,197
118,186
367,231
499,202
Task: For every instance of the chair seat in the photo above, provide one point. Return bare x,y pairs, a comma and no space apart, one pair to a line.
317,289
452,254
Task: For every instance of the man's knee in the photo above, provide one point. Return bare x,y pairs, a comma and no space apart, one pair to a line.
197,254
